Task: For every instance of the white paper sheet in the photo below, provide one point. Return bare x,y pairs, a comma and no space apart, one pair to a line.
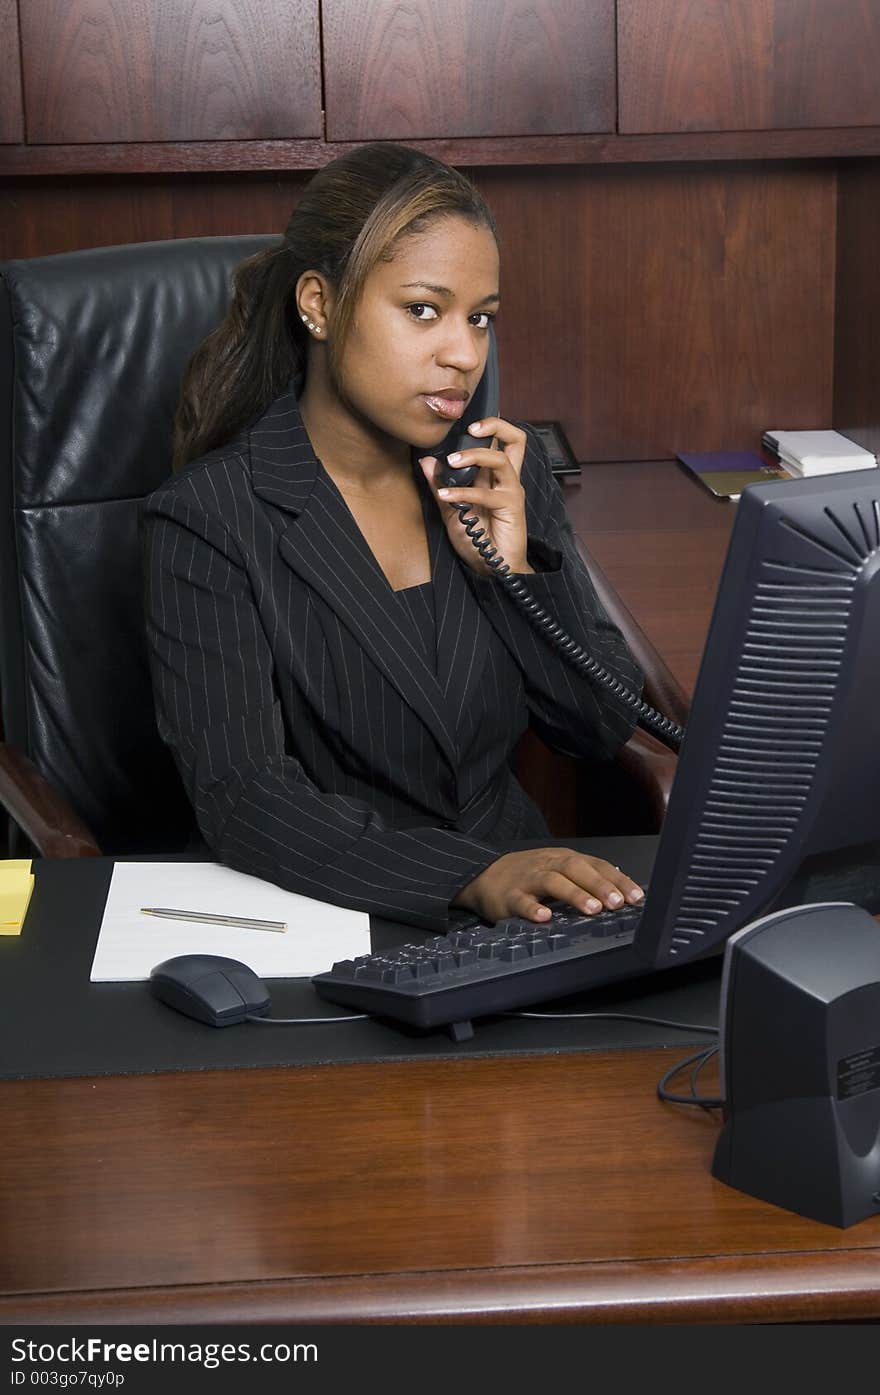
130,943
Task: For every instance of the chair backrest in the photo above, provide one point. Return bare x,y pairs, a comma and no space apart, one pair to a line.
93,345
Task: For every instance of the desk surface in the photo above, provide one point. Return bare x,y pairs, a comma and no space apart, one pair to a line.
554,1188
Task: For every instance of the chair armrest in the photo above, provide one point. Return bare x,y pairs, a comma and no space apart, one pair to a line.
653,766
635,798
662,689
40,811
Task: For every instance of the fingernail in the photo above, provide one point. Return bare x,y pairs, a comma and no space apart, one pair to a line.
637,895
443,493
474,426
593,906
456,455
543,913
615,899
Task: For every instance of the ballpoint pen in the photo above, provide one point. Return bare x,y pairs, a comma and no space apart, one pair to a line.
205,917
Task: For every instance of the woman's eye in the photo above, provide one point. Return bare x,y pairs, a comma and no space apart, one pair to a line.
422,312
482,319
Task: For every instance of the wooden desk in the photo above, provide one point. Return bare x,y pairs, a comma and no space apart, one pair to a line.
551,1188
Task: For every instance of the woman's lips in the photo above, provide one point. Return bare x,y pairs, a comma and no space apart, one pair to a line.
449,408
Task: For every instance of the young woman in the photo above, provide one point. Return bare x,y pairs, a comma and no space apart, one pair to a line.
340,680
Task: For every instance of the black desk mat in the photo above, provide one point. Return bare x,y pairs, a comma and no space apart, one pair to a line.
54,1022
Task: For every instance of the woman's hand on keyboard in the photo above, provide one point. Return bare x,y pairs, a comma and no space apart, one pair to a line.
515,883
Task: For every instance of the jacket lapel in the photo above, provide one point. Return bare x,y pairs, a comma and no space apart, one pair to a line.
322,543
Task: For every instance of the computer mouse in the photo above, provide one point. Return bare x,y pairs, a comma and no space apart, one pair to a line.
210,988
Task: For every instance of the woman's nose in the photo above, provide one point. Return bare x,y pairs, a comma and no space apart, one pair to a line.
460,350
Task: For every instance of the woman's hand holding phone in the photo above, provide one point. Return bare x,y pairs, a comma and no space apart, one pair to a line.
495,497
515,883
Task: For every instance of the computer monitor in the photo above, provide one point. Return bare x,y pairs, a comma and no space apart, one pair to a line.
776,800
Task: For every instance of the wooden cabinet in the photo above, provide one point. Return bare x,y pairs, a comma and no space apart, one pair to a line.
11,115
467,68
110,70
747,65
185,86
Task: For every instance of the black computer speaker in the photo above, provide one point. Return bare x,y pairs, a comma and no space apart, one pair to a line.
800,1062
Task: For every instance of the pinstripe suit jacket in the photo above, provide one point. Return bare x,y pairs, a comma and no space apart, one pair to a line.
321,748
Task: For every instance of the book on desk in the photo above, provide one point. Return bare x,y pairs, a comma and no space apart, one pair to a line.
725,473
816,452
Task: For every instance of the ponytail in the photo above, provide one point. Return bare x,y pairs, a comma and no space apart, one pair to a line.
246,362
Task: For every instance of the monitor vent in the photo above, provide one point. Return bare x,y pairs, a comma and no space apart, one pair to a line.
775,726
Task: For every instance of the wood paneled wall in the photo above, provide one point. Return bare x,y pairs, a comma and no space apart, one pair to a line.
653,310
11,107
747,64
857,363
649,310
39,217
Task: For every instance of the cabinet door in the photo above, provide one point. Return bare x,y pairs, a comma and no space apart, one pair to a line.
111,70
685,65
427,68
11,115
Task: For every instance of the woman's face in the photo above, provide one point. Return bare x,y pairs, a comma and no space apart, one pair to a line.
420,334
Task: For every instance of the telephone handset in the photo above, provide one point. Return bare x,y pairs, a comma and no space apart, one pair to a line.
484,403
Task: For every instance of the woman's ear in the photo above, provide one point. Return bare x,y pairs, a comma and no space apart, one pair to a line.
314,298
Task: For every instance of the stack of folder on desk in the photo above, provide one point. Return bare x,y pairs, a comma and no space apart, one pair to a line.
817,452
16,885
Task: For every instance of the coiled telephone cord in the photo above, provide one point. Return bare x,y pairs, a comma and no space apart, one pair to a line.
669,732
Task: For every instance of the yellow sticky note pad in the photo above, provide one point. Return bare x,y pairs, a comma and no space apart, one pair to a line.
16,885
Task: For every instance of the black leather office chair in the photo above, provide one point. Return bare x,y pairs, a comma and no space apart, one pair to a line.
93,345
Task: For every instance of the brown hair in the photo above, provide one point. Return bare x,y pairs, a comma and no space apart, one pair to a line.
349,218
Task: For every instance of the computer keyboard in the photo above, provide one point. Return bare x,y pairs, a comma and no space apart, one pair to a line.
479,969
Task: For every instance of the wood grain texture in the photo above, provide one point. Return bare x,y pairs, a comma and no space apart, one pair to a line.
753,1288
397,70
265,156
43,815
11,107
106,70
856,380
677,309
555,1186
54,216
826,57
747,64
670,583
687,66
661,540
